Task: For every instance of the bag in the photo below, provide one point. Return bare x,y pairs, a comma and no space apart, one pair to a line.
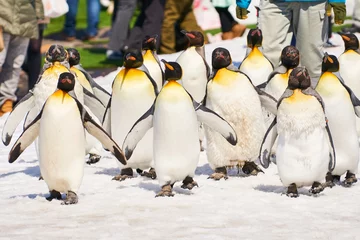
55,8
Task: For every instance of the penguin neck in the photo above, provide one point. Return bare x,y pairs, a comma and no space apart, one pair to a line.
224,76
172,83
149,53
255,51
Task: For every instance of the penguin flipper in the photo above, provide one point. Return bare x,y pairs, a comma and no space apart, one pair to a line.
106,121
138,131
332,161
94,104
267,101
355,101
99,92
29,134
99,133
217,123
16,115
267,144
278,70
201,52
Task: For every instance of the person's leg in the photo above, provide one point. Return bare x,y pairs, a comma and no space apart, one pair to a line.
120,28
34,59
93,14
356,15
11,59
171,16
274,22
70,19
310,30
226,23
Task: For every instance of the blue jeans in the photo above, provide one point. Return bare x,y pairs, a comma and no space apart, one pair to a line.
93,12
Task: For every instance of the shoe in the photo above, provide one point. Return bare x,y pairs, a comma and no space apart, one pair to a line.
352,29
89,38
6,107
328,44
114,55
69,38
238,30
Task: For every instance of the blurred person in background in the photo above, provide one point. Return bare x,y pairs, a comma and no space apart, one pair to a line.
18,20
93,15
355,27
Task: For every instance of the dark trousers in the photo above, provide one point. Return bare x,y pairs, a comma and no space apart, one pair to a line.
148,23
226,19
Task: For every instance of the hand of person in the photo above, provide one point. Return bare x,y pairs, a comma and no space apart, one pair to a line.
339,11
241,13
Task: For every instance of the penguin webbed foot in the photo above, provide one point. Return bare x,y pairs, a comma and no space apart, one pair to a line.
330,180
41,178
189,183
250,168
124,174
54,195
350,179
71,198
292,191
316,188
150,174
166,191
219,173
93,158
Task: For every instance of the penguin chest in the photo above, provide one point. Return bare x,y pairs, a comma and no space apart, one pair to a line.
277,85
256,66
194,78
82,79
176,144
349,73
302,148
154,68
61,143
233,97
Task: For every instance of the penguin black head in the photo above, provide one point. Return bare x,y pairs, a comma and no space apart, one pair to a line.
220,58
133,58
330,63
299,79
149,43
290,57
56,53
173,70
196,39
66,81
74,56
254,38
350,40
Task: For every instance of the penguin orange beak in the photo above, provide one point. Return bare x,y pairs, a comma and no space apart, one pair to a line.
167,65
132,58
346,38
150,40
189,35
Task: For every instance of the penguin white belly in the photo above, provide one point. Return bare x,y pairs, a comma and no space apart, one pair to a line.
351,75
176,140
194,78
302,153
129,102
342,124
61,145
155,71
257,68
239,104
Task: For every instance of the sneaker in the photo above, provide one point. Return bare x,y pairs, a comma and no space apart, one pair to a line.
352,29
328,44
114,55
6,107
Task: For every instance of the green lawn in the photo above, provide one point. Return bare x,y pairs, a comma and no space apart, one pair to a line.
95,57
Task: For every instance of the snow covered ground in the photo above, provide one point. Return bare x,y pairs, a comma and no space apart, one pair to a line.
239,208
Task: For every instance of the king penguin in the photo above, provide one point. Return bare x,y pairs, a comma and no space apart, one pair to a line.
151,60
231,94
176,145
347,60
305,151
255,65
133,93
61,148
341,107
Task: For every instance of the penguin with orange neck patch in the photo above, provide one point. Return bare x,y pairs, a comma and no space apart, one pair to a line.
304,149
231,94
255,65
151,60
341,107
133,93
174,118
61,149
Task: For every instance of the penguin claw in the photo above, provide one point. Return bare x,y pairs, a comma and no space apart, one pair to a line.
217,176
350,179
121,177
41,178
166,191
71,198
250,168
93,158
190,185
292,195
54,194
316,188
151,174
